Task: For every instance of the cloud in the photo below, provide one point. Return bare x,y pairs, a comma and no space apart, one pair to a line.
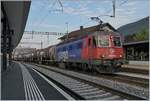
44,27
124,13
127,13
81,8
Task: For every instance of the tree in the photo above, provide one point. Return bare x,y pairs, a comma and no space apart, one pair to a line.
143,34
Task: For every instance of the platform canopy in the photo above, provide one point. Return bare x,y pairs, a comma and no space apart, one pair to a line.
17,14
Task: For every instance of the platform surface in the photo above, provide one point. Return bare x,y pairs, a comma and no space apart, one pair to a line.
134,66
133,75
20,82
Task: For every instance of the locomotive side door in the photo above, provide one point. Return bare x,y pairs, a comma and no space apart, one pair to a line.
90,50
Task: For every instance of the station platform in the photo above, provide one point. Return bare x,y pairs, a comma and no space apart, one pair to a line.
24,83
140,67
133,68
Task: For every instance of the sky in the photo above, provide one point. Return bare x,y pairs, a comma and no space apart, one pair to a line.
52,16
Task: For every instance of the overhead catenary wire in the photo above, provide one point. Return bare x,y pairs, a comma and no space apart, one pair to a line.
108,11
60,3
49,11
116,6
44,17
55,1
42,8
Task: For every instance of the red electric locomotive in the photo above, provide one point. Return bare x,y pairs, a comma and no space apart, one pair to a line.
103,51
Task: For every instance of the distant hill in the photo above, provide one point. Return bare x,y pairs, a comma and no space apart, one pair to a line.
134,27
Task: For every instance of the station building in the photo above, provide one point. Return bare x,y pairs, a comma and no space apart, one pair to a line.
137,51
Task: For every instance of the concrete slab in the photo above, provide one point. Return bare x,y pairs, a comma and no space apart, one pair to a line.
23,83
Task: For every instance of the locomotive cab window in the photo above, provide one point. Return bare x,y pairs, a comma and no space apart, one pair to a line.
116,41
103,41
94,42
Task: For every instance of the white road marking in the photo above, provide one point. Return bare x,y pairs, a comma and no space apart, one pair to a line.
32,91
32,87
25,89
36,92
55,86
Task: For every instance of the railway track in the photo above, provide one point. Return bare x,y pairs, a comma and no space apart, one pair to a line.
84,88
134,70
125,77
137,79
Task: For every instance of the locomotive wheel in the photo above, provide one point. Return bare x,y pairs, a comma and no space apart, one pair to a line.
98,69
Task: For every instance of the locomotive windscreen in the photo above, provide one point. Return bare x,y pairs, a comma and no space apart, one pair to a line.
103,41
116,41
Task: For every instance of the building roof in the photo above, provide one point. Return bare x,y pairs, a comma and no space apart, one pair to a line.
17,14
135,43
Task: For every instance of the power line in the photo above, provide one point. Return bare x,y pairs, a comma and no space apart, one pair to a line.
108,11
43,33
42,7
116,6
35,43
46,15
42,20
61,5
123,2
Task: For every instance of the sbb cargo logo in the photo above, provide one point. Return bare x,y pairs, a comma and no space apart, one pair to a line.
63,55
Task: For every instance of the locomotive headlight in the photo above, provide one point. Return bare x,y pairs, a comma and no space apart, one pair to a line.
103,55
120,55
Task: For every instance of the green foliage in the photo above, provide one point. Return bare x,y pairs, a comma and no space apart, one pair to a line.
141,35
129,38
